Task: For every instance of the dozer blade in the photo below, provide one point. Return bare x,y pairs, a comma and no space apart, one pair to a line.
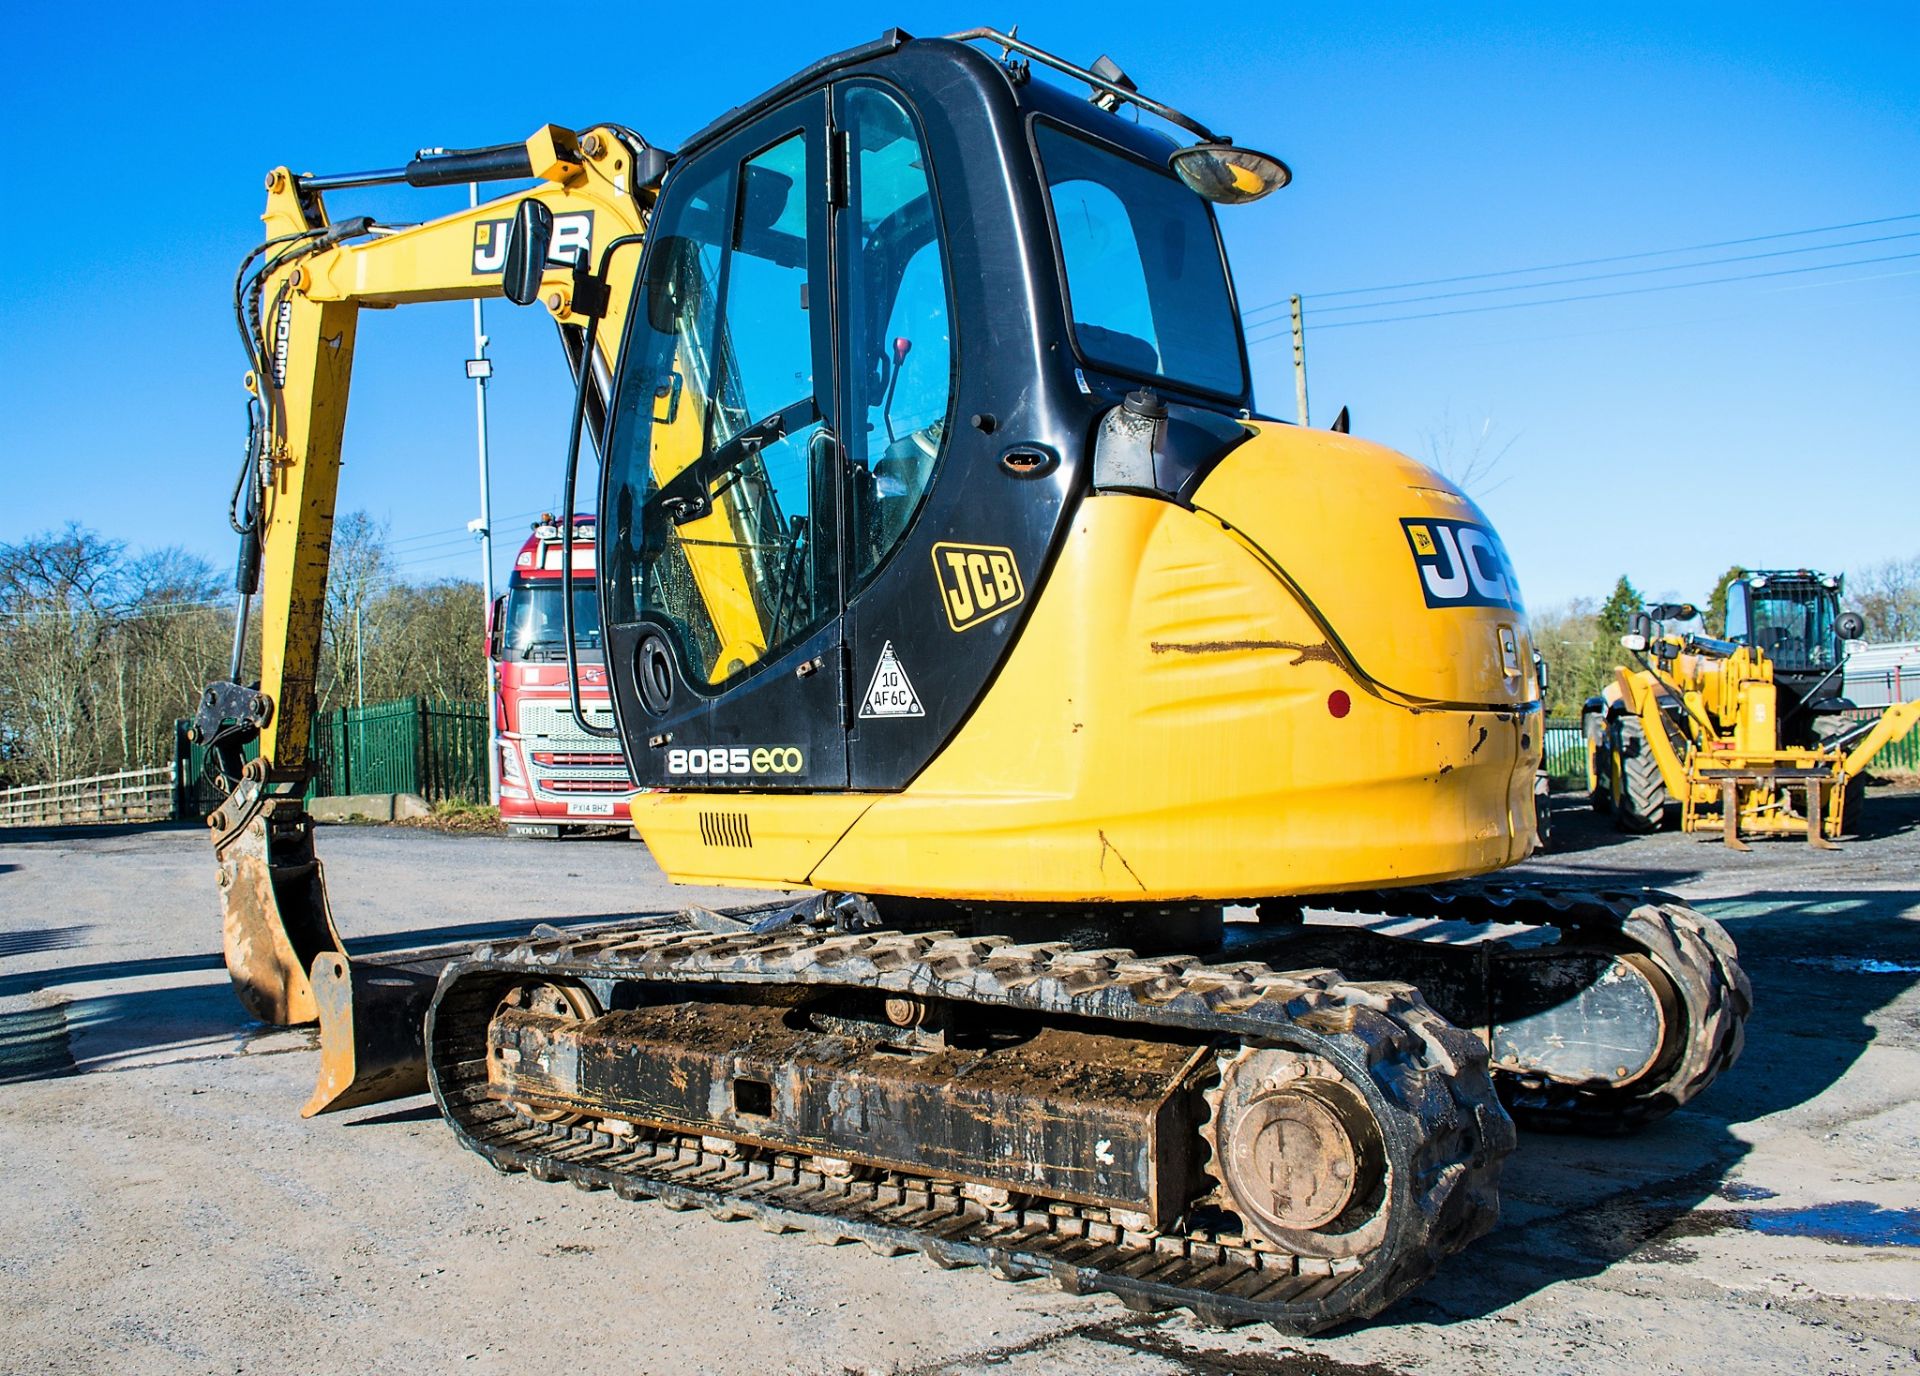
372,1013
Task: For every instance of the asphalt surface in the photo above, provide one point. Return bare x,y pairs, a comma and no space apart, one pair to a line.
163,1208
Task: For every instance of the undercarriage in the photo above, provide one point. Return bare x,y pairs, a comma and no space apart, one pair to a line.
1275,1131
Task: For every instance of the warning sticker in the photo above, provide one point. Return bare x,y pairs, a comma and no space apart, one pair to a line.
890,694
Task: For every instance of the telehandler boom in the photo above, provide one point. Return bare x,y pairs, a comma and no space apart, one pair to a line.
948,574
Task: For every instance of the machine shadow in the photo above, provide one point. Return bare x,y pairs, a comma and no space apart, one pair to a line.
1885,814
1578,828
1821,967
89,1030
26,836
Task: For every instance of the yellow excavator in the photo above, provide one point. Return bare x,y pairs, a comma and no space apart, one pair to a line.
953,584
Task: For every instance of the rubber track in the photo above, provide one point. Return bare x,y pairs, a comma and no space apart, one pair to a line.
1445,1129
1693,949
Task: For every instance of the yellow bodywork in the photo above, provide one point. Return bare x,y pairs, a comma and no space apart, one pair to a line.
1179,720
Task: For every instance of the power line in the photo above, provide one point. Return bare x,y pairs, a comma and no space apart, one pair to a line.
1610,276
1600,295
1585,262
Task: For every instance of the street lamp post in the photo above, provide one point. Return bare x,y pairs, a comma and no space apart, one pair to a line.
480,368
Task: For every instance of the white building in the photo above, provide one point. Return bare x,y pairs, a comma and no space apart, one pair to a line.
1879,675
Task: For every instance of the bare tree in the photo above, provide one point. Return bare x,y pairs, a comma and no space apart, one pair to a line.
1888,596
1471,454
102,651
361,570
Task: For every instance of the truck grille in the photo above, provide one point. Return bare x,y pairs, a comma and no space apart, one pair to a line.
566,760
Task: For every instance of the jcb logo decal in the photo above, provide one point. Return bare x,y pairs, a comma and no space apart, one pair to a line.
977,582
1461,564
572,237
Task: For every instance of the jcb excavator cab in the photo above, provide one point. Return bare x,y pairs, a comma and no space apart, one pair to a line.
853,409
898,323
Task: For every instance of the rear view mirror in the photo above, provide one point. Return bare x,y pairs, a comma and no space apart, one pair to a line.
1851,625
496,628
528,239
1226,175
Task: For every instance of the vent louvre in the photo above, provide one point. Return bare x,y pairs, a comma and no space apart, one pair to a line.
728,829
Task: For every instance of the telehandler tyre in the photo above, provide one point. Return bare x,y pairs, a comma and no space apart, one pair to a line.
1593,730
1641,801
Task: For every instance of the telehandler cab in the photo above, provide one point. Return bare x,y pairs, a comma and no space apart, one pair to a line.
948,573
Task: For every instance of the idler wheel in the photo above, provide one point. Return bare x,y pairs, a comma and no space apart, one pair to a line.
1298,1154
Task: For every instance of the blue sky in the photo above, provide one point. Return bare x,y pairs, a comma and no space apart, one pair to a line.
1664,434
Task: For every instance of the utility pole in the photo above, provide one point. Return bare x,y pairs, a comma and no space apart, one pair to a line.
480,368
1299,362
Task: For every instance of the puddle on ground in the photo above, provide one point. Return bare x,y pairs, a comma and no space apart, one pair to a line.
1852,1223
1857,965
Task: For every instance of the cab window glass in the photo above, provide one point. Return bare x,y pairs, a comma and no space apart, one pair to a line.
719,500
1145,275
899,340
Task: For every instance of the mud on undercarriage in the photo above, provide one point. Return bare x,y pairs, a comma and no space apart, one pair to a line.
1288,1145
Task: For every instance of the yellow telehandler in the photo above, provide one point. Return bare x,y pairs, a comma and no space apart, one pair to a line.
1744,734
953,584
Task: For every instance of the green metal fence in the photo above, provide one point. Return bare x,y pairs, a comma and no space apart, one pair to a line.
415,745
1566,749
435,749
1566,746
1901,754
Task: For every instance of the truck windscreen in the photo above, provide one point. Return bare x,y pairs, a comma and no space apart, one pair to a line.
1145,277
535,630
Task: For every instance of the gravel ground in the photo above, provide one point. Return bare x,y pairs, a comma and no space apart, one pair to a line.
163,1207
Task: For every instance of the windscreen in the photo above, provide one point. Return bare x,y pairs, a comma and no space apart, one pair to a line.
1794,626
1145,277
535,631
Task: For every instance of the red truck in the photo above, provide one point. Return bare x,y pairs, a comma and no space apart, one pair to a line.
553,776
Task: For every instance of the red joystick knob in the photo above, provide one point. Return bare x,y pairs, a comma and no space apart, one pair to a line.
901,345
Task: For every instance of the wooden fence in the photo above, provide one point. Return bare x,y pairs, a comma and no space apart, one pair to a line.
132,795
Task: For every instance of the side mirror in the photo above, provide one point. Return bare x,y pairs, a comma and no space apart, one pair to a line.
1226,175
1851,625
496,628
527,242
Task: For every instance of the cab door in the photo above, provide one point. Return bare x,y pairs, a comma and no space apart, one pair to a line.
720,506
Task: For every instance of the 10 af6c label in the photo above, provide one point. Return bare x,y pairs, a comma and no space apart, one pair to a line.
977,582
727,761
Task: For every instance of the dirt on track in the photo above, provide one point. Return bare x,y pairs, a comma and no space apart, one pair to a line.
164,1208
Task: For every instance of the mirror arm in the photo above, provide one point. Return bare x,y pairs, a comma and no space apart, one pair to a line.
566,503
